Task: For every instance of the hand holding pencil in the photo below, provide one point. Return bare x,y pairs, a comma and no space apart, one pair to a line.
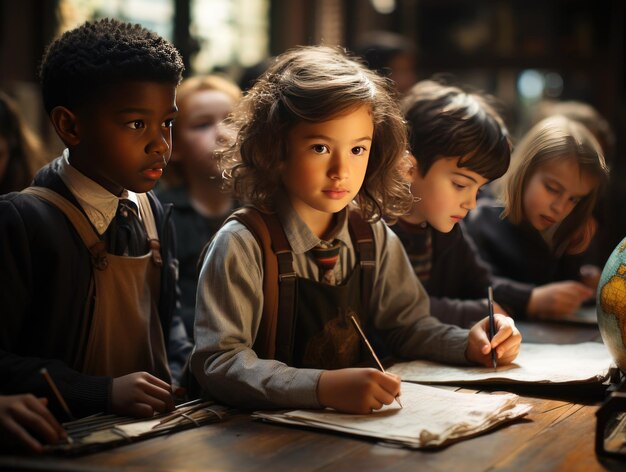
357,390
502,347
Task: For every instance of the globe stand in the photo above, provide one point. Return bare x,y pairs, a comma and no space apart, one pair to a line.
611,422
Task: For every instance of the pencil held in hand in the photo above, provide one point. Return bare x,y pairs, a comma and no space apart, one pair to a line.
492,325
56,393
371,349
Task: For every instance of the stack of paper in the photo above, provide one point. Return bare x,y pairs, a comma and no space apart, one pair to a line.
103,431
431,416
536,363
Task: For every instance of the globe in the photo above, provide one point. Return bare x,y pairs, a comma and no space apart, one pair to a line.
611,305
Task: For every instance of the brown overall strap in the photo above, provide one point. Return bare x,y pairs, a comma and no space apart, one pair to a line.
361,232
96,246
276,330
279,284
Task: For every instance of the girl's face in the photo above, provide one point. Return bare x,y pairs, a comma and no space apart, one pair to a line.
326,164
447,192
197,130
553,191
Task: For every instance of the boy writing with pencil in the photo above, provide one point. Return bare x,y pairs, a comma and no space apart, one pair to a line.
458,143
88,269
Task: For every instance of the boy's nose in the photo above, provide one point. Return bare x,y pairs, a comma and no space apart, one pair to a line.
470,202
160,144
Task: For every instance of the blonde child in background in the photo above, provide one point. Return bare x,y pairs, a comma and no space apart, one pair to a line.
535,237
192,181
315,133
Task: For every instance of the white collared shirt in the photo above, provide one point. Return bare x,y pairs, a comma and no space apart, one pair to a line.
99,204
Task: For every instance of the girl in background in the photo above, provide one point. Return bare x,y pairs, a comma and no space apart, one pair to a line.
193,182
536,236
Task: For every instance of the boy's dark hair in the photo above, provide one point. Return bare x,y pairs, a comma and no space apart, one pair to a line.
76,67
313,84
378,48
446,121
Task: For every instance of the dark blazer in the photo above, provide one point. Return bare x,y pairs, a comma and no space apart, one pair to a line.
45,270
517,253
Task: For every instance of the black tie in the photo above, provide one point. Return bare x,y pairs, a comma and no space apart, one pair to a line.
126,235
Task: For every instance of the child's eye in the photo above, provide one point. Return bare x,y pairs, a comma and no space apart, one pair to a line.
358,150
137,124
458,186
575,200
551,189
168,123
320,148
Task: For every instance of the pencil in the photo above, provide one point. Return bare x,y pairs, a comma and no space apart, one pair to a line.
369,346
56,392
492,325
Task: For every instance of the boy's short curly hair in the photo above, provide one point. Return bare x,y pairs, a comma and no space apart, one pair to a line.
96,55
313,84
447,121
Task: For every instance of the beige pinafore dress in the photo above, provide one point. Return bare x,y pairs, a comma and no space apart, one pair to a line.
124,334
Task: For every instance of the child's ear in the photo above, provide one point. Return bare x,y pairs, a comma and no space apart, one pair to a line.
410,167
65,123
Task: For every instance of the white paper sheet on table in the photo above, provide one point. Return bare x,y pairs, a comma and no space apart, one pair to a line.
536,363
431,416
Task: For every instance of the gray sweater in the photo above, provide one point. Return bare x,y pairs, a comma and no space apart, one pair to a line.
229,308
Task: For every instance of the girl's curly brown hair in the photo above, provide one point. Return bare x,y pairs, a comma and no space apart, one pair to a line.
313,84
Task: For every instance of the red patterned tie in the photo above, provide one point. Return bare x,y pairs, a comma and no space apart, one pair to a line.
326,256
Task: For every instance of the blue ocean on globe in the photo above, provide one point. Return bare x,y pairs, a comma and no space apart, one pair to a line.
611,305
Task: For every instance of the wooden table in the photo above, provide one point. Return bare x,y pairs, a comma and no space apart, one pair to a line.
558,434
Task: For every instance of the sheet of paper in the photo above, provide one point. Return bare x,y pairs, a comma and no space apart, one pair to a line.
431,416
536,363
101,431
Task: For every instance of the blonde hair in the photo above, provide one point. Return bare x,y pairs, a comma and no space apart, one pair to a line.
200,83
554,138
583,113
312,84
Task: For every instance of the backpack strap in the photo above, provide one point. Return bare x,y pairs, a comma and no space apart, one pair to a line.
362,233
276,330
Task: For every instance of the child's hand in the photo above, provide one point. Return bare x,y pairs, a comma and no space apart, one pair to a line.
141,394
506,341
358,391
557,299
590,276
24,417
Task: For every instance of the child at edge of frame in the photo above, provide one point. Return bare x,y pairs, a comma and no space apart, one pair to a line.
87,252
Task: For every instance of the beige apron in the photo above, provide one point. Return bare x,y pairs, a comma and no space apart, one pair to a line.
125,333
